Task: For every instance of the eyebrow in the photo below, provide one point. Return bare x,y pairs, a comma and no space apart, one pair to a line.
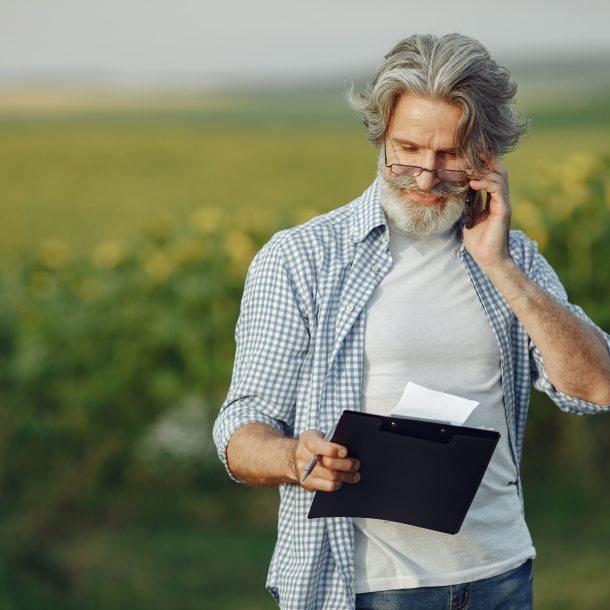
452,150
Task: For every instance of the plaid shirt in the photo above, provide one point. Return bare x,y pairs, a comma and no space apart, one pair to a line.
300,342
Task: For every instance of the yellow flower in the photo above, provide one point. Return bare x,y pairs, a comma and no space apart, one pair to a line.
582,166
52,253
108,255
184,249
562,204
206,220
240,247
527,215
158,267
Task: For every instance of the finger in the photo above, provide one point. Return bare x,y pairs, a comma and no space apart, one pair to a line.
318,484
345,465
487,184
318,446
494,172
335,475
489,178
496,203
489,175
310,434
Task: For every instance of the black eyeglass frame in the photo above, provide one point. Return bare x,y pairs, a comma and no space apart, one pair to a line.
424,169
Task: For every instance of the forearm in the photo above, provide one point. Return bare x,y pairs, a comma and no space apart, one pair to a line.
575,356
259,455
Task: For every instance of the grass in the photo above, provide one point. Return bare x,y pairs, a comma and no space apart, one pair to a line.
173,566
189,563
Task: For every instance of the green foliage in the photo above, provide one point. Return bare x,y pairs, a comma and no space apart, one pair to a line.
93,353
568,213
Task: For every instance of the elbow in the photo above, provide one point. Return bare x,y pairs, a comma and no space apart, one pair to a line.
602,397
593,389
232,458
599,393
226,447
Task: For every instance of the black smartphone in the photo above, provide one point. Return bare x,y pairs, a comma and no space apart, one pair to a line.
472,200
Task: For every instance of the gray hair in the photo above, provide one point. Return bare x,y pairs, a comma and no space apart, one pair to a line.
455,69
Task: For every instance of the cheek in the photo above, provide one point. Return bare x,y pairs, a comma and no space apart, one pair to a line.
387,172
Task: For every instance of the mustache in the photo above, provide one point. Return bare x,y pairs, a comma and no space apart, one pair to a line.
442,189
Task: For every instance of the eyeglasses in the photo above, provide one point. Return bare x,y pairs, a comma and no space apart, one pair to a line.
444,175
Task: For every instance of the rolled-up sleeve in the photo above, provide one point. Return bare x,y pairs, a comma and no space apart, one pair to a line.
544,275
272,340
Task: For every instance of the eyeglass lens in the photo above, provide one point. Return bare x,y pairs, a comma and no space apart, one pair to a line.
450,175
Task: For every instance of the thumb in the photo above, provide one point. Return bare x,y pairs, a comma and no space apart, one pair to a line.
313,440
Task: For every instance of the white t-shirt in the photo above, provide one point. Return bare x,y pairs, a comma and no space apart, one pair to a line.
425,324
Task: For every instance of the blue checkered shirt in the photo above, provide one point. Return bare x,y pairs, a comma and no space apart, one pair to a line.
300,342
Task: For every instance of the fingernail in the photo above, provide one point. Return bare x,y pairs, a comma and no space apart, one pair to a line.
342,453
356,477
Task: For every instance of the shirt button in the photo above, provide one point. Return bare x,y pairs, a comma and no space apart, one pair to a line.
350,308
375,267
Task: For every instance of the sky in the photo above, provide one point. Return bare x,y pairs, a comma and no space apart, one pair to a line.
233,42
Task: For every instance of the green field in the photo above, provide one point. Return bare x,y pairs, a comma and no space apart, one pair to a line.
188,564
84,178
127,230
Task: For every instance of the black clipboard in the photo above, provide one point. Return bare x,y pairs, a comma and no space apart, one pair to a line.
413,471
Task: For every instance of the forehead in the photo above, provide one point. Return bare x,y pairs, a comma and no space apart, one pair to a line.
426,122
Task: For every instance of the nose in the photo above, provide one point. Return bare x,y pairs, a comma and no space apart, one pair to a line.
427,180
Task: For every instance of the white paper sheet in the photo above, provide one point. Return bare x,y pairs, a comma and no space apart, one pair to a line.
421,402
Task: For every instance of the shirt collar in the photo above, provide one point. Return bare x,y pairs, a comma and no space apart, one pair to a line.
368,213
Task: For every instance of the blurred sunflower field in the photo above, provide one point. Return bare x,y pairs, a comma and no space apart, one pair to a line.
126,238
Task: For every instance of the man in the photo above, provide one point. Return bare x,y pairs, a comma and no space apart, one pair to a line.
340,313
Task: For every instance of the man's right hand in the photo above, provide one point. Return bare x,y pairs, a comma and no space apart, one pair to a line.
333,468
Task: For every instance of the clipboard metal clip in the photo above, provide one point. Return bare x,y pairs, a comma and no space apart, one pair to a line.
421,429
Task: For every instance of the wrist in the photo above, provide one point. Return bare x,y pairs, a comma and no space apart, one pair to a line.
499,269
291,470
511,282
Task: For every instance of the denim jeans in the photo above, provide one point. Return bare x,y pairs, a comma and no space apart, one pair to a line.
511,590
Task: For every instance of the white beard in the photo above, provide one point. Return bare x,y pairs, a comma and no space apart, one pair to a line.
416,219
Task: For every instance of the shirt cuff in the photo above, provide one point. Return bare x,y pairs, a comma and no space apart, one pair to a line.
236,414
569,403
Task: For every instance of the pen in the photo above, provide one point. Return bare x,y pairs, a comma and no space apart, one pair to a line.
314,460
